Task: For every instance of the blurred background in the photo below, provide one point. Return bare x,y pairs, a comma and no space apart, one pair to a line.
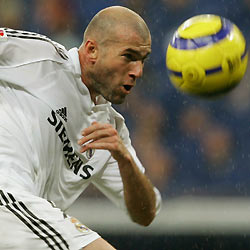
197,152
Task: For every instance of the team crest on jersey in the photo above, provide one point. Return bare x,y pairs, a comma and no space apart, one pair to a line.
89,153
3,35
79,226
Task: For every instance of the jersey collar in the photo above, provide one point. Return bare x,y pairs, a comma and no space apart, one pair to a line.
73,53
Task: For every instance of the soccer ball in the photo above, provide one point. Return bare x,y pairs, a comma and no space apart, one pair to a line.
207,56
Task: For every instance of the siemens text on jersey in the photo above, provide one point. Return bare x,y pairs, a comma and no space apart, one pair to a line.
73,160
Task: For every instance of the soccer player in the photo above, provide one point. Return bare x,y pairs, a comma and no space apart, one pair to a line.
59,132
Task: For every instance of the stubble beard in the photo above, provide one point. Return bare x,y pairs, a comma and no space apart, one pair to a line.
112,95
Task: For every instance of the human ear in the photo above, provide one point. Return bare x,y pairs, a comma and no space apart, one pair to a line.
91,50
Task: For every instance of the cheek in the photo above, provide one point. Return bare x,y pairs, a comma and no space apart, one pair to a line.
104,68
112,70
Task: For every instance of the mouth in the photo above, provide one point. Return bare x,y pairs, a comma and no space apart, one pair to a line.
127,87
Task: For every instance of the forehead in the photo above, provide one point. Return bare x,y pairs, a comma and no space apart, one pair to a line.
130,40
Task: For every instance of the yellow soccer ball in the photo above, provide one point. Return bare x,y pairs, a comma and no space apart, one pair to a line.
207,56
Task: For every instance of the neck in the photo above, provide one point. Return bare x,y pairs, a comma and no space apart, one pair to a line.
91,91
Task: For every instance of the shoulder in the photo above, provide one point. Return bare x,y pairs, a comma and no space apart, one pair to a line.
19,47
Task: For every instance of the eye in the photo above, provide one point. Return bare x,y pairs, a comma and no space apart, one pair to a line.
129,57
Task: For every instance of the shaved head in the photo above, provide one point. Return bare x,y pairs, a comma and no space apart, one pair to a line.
116,43
105,25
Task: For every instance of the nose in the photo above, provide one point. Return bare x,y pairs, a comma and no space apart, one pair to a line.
136,70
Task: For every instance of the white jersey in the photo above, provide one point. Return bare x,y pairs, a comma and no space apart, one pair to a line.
44,106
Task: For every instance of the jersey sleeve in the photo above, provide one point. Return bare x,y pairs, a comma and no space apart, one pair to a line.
29,60
19,48
109,182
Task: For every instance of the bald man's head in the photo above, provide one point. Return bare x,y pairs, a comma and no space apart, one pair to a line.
116,43
115,23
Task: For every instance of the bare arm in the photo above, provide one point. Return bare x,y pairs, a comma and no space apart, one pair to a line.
138,191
